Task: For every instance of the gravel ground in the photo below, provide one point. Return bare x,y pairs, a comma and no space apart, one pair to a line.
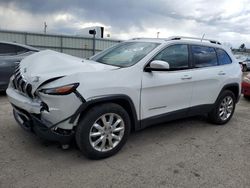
184,153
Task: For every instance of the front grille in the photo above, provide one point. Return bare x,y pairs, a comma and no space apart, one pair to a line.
21,84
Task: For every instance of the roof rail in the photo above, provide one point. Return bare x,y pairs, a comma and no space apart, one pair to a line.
193,38
145,38
181,37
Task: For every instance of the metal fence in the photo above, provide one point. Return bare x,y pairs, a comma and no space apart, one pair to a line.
241,53
69,44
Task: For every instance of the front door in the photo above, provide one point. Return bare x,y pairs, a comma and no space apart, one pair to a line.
168,91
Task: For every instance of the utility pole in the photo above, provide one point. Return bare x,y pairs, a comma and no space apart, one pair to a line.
158,33
93,32
45,27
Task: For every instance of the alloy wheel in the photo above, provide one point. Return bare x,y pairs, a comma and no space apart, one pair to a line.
107,132
226,108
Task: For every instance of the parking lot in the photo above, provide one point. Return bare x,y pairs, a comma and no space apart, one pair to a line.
184,153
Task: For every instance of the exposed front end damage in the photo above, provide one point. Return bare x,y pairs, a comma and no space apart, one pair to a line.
46,115
43,93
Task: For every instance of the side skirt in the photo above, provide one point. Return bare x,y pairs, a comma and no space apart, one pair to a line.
178,114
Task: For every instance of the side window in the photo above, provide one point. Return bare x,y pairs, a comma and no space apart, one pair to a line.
175,55
223,57
21,50
7,49
204,56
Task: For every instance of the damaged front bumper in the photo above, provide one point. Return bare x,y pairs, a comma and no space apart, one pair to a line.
32,123
49,122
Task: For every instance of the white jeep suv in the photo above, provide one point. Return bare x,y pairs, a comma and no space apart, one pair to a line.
137,83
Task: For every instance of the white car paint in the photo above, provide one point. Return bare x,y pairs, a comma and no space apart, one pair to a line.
49,64
165,92
152,94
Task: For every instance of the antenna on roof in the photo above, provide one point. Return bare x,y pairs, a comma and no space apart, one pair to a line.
202,37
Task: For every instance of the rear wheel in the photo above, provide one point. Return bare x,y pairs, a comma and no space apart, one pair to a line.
103,131
224,108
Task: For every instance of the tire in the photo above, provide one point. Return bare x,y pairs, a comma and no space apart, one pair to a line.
244,68
214,116
93,124
247,97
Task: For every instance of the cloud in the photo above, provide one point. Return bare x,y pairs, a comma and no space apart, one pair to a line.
225,20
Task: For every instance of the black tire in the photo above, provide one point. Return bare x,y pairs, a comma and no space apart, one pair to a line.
247,97
85,126
214,116
244,68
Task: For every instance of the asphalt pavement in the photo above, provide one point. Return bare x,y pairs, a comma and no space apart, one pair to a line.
185,153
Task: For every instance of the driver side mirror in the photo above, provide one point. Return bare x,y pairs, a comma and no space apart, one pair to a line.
157,65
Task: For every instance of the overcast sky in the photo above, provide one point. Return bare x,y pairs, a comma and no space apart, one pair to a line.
224,20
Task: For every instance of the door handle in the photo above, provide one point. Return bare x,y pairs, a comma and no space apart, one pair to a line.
186,77
221,73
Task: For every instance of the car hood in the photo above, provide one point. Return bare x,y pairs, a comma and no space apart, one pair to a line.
48,64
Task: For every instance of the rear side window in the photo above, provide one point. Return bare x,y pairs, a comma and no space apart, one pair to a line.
9,49
223,57
204,56
175,55
21,50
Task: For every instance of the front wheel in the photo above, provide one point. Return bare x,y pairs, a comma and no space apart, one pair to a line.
103,131
223,109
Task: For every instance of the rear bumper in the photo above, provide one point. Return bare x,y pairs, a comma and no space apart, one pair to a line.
31,123
245,89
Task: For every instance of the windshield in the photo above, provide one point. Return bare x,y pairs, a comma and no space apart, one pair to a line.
125,54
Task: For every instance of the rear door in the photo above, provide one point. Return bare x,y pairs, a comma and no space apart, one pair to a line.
167,91
208,74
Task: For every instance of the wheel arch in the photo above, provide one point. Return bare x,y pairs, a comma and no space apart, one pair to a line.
122,100
234,87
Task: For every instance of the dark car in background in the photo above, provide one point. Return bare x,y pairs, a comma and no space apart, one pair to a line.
10,56
245,64
246,86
